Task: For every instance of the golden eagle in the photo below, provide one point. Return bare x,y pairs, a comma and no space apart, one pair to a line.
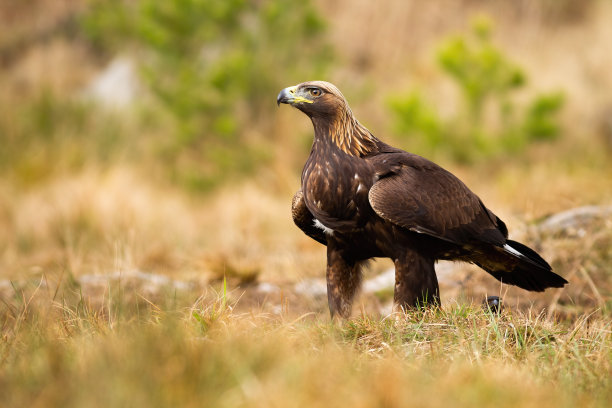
363,198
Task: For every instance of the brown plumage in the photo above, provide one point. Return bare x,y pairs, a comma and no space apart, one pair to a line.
363,198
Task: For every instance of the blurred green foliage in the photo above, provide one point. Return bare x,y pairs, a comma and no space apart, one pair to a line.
213,65
46,135
489,122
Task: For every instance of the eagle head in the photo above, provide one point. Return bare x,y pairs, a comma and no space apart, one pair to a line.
331,116
317,99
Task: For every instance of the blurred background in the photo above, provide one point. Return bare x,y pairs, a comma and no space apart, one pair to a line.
142,151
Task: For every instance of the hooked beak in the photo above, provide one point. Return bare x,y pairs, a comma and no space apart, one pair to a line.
290,96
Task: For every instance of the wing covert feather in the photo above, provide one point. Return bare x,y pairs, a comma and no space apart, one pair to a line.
418,195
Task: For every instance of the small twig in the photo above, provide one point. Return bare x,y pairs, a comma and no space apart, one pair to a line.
555,300
600,299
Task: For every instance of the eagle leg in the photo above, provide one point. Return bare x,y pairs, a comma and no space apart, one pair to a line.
416,283
343,281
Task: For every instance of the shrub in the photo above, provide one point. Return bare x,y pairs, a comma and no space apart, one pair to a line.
213,65
47,135
489,122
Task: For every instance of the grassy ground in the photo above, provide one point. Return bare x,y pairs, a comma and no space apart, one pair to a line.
207,354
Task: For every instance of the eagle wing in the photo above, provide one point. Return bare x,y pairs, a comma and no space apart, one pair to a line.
419,195
304,219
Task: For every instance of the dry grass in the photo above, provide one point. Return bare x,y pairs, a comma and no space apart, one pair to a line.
62,354
116,223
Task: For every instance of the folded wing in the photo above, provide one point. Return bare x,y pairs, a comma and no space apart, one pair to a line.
419,195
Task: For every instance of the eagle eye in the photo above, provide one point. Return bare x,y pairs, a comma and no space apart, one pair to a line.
315,92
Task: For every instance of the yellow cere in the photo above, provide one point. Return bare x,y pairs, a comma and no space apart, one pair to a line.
301,99
296,98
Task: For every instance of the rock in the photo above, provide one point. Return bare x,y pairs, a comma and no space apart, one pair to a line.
386,280
117,86
447,272
311,288
152,280
574,221
265,287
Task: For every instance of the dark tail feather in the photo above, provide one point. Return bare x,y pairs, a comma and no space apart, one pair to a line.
529,254
516,264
